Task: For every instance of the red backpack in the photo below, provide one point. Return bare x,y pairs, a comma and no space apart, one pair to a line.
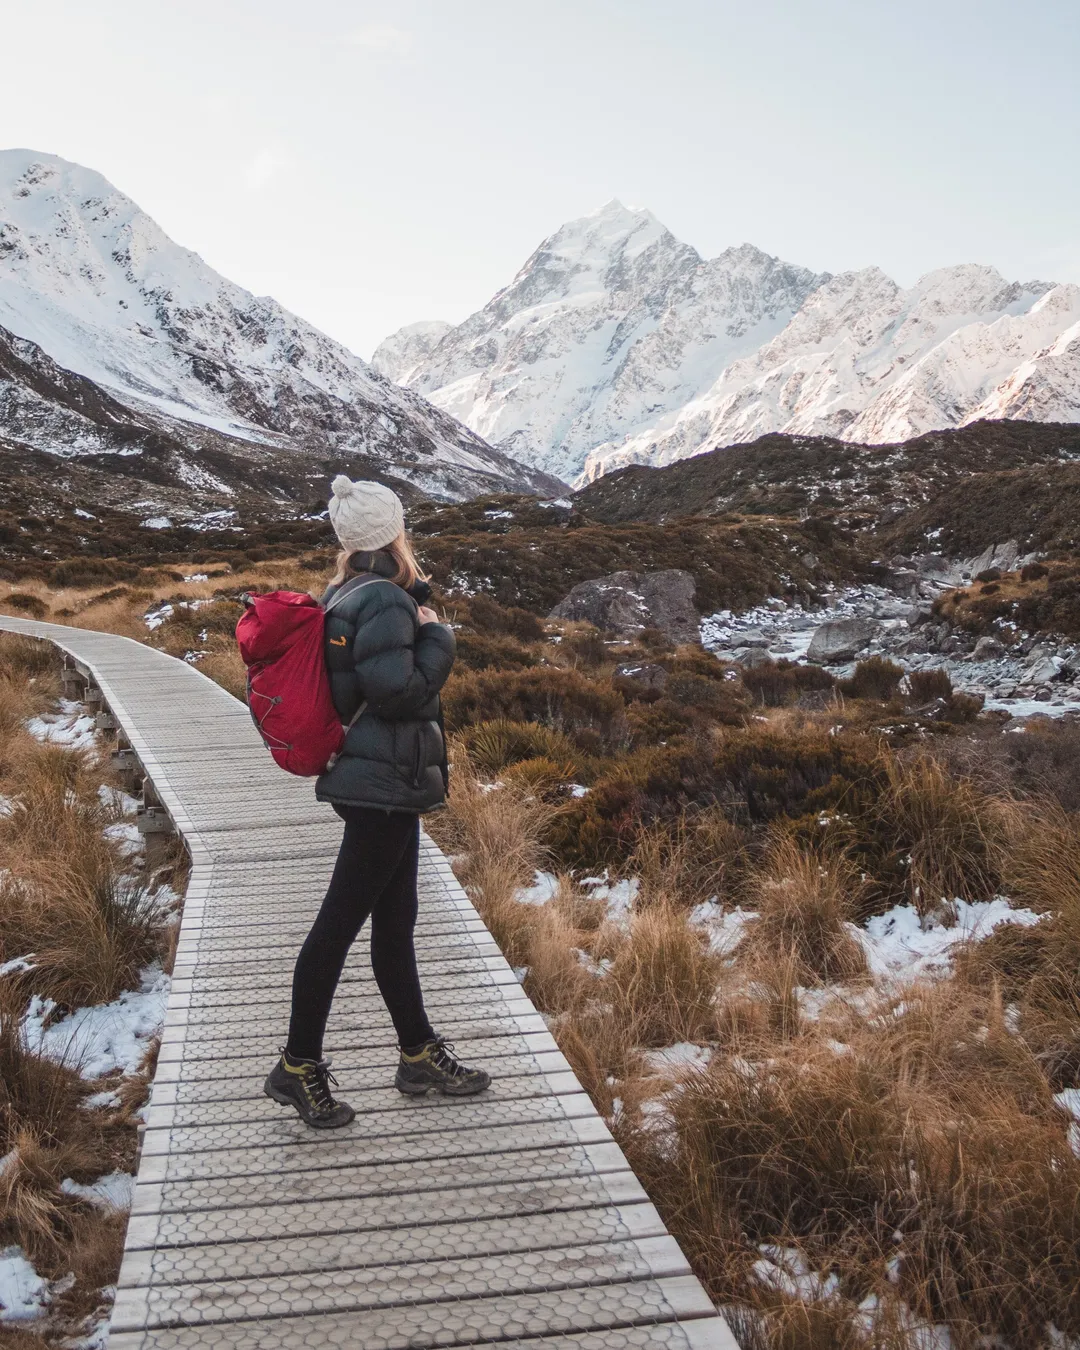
281,643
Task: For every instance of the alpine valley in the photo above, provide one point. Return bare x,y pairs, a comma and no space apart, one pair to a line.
616,344
138,376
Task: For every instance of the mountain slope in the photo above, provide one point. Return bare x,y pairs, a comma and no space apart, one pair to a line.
99,288
611,323
823,476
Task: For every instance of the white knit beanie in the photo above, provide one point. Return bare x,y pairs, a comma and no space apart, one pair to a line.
365,515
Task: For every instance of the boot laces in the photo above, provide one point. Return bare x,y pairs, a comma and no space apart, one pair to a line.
317,1078
442,1053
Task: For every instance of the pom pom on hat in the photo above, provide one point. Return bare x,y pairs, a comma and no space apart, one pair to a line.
365,515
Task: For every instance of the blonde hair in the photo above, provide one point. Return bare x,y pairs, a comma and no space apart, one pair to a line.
400,549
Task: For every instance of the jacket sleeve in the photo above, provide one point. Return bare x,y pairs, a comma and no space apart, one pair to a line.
400,667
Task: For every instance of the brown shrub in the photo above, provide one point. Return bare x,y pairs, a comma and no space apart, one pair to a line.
774,684
493,746
86,573
589,711
928,685
25,603
484,651
756,774
874,678
584,647
485,615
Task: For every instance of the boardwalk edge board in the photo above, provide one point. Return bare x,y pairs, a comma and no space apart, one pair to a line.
228,1243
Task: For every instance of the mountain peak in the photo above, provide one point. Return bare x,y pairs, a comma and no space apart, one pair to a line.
610,323
612,229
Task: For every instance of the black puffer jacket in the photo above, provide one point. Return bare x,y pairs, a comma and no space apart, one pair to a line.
378,651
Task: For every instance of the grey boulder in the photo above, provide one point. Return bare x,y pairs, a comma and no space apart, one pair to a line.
626,602
989,649
840,640
1042,670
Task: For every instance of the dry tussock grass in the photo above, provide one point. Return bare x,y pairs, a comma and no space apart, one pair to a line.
122,609
837,1155
804,901
921,1113
495,837
664,978
686,862
65,893
51,1136
67,899
954,834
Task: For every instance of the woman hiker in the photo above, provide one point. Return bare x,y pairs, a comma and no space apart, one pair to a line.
387,654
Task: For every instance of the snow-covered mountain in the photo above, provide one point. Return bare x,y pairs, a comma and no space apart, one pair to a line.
397,356
869,362
611,324
616,344
101,291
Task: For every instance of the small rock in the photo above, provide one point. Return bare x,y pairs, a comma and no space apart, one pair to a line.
809,560
645,675
1044,695
752,657
840,640
904,582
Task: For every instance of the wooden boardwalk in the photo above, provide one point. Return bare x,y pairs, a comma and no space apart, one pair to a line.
512,1218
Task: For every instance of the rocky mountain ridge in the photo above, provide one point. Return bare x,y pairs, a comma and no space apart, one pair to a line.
616,344
92,289
609,325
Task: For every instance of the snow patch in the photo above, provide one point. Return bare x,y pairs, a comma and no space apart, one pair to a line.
103,1039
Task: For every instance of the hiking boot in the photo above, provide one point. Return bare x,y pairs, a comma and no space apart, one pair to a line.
435,1068
305,1084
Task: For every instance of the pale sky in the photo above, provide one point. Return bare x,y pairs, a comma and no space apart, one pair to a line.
369,164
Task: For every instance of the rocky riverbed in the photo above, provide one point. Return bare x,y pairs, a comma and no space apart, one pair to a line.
1033,674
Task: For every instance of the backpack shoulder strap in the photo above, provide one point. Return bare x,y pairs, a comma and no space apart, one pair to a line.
353,584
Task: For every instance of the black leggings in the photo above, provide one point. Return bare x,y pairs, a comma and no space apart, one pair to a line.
375,874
